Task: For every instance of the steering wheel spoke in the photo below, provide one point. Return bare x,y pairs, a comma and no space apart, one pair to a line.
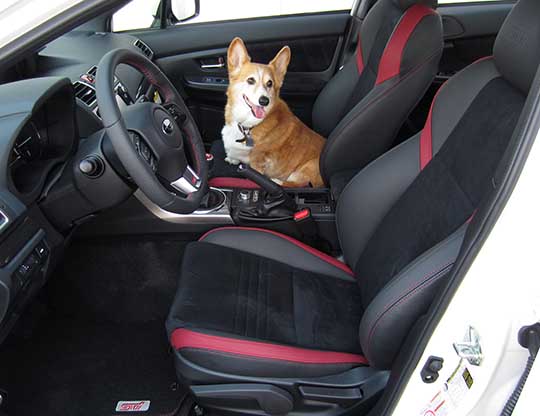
188,183
143,150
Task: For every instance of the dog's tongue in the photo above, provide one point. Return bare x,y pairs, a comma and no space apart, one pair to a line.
258,111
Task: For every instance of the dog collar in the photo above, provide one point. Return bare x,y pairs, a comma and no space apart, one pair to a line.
248,138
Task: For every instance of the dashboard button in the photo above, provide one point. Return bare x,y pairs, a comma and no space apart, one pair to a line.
92,166
42,250
23,270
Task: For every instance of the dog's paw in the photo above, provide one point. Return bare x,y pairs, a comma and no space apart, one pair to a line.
278,181
232,161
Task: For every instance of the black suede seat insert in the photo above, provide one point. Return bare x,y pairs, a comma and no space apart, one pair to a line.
247,296
447,192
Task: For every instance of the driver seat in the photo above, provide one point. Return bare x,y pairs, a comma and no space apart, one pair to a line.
363,106
263,324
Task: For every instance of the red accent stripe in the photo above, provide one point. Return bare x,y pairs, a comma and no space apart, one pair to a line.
359,57
426,138
390,63
426,141
329,259
184,338
220,182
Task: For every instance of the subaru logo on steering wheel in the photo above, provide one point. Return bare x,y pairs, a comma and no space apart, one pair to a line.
167,126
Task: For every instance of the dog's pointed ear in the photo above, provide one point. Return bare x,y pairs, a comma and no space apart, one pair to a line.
237,55
280,64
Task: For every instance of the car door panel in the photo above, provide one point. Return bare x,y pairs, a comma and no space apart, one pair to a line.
185,52
469,32
212,35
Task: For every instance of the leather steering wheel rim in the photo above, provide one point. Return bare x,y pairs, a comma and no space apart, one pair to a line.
162,192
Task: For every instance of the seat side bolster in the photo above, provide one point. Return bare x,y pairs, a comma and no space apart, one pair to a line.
186,338
389,317
425,40
457,95
413,22
369,129
332,102
371,193
279,247
200,353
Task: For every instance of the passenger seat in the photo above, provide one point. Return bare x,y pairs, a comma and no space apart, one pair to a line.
364,105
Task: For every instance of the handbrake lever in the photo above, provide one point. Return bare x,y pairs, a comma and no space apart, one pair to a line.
275,194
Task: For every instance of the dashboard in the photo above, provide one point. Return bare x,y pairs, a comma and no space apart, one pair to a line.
76,55
45,140
49,122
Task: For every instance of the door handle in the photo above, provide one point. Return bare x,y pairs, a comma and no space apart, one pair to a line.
220,63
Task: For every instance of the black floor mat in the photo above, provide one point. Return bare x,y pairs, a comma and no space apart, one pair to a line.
97,335
117,280
71,368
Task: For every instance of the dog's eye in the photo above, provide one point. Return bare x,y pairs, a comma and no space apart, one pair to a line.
251,81
269,84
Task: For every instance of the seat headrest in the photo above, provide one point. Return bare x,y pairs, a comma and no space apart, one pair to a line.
517,48
405,4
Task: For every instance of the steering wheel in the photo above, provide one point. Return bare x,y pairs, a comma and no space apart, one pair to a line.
154,142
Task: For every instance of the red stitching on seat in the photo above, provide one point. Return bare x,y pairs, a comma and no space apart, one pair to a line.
184,338
390,63
325,257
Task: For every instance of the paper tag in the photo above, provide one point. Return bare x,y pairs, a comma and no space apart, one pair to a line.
452,393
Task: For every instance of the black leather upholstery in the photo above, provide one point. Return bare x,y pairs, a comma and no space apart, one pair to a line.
277,247
517,48
398,305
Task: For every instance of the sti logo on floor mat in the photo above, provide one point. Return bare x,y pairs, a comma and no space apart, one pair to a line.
133,406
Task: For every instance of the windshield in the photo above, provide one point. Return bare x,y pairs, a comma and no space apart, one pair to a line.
33,13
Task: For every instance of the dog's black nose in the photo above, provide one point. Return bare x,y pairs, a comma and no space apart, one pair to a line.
264,101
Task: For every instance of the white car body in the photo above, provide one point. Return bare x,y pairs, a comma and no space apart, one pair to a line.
499,295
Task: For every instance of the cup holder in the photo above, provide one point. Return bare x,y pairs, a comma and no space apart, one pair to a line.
213,201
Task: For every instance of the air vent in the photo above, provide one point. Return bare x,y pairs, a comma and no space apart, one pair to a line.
85,93
92,71
144,48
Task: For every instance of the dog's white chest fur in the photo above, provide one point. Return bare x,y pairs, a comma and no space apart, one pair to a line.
236,152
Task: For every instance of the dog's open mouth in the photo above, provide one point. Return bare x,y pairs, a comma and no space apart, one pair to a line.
257,110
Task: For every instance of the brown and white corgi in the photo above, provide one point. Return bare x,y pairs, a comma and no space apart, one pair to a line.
260,129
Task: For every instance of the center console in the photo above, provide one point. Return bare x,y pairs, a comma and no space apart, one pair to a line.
307,215
318,201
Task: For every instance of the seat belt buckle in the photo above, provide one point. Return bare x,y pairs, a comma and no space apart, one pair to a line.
302,215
